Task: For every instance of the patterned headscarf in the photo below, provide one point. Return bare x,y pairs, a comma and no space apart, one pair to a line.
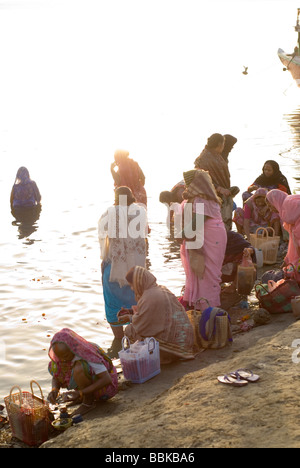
259,212
199,184
87,351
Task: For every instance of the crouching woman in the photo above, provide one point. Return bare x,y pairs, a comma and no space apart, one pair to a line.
82,367
160,315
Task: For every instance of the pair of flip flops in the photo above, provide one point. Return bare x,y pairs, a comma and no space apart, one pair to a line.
239,378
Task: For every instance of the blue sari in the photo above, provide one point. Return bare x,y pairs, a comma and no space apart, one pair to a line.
115,297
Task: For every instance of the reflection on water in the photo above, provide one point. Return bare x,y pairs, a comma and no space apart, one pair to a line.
174,250
173,245
26,221
293,120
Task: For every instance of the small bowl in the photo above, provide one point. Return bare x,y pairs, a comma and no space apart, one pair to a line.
62,424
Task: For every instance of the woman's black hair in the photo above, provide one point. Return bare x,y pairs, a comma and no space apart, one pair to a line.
124,192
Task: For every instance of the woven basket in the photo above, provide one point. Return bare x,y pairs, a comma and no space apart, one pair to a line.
279,300
221,333
266,243
28,415
194,316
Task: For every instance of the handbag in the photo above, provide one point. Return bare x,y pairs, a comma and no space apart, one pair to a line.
214,328
29,415
277,301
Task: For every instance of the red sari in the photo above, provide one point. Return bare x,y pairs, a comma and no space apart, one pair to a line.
130,175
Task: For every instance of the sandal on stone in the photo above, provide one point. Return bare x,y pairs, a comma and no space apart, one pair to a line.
245,374
234,381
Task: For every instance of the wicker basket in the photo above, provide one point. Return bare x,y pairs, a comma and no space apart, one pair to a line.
268,244
194,316
279,300
221,333
28,415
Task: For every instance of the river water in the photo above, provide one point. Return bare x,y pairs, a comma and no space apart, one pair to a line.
80,79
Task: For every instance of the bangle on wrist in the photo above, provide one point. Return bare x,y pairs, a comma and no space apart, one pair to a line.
80,394
55,390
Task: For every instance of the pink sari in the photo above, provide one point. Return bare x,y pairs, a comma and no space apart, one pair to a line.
88,352
258,217
288,207
214,247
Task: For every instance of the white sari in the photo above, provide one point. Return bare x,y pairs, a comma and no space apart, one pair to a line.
122,231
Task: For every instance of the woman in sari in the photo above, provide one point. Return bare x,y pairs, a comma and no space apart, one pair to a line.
271,179
202,264
81,367
172,199
288,208
127,172
160,315
230,141
256,213
214,159
122,231
25,192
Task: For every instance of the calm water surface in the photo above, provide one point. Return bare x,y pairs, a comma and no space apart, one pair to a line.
84,78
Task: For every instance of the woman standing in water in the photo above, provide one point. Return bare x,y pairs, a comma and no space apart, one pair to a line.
122,247
127,172
202,264
25,192
214,159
